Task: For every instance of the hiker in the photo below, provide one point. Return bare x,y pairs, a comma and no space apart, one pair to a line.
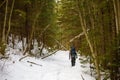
73,55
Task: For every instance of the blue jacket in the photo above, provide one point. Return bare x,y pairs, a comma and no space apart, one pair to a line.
73,52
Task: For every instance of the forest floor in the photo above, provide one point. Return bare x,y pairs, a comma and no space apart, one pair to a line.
55,67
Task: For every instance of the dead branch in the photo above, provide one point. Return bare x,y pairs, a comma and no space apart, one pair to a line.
59,43
44,30
49,54
4,57
2,3
34,63
78,36
82,77
23,57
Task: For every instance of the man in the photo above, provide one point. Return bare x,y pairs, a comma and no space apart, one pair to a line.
73,55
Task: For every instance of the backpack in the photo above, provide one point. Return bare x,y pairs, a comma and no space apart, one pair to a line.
73,52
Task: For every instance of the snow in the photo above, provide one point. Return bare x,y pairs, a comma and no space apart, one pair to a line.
55,67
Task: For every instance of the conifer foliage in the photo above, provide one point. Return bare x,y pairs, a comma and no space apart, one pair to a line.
92,25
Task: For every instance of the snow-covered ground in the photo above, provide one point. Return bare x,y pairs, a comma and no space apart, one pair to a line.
55,67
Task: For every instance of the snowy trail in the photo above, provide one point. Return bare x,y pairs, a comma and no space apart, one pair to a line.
55,67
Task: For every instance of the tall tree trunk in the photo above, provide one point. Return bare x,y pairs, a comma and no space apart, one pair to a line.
27,27
116,11
32,33
116,4
9,22
35,16
83,25
3,43
4,25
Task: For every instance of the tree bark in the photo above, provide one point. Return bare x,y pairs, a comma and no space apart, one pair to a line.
3,43
35,16
116,16
83,25
115,69
9,22
4,25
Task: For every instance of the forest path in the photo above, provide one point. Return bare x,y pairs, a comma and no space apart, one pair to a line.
55,67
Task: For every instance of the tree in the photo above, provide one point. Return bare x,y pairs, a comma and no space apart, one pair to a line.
3,43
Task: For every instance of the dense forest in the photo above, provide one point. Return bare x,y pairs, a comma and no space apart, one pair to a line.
93,26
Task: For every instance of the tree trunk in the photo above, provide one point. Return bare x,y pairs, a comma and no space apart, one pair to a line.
4,25
116,15
83,25
115,69
3,43
9,22
35,16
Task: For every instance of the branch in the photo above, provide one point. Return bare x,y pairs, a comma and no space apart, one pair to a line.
77,36
34,63
44,30
82,77
4,57
60,44
23,57
49,54
2,3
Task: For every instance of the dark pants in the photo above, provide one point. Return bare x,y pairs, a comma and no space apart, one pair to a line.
73,61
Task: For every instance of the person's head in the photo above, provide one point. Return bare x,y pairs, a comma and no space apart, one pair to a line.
72,46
